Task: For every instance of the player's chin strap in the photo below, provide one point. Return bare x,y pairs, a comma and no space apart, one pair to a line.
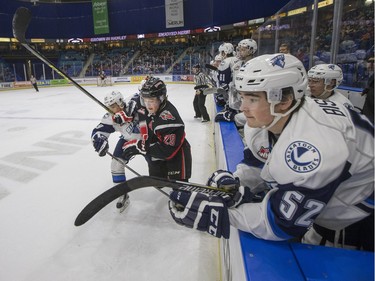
326,93
278,116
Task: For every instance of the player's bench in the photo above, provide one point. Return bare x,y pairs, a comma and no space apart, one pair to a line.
244,257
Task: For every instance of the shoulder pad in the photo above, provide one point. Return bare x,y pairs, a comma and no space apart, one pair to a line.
224,64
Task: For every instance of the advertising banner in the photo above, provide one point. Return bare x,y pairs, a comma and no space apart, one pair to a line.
100,16
174,13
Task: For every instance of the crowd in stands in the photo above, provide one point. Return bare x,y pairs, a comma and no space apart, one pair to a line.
355,56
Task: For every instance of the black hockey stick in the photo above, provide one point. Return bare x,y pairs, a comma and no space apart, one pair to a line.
21,20
140,182
211,67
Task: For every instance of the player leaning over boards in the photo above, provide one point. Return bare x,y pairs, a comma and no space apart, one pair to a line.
316,157
124,121
323,80
163,141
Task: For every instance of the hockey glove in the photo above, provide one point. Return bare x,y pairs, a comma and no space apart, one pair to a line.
201,212
121,118
100,143
227,116
226,180
219,99
130,108
132,148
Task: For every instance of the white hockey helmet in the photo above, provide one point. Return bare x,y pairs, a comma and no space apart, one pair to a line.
114,97
272,74
246,47
226,48
328,72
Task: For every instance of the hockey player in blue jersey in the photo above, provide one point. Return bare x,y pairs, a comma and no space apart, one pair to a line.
314,159
125,121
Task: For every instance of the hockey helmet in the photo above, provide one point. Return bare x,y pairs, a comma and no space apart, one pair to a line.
272,74
328,72
246,48
114,97
197,66
154,87
226,48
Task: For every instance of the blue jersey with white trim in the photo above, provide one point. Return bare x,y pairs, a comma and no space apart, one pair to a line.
321,169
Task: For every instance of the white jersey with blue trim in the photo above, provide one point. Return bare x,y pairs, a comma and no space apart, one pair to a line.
128,130
321,169
338,97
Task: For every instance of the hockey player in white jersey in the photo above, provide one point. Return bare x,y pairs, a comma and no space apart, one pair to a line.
323,80
226,50
315,157
126,123
245,51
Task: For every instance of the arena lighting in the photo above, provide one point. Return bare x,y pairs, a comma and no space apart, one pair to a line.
75,40
297,11
212,29
140,36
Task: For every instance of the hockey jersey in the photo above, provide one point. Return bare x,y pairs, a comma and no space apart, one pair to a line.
128,130
165,134
320,169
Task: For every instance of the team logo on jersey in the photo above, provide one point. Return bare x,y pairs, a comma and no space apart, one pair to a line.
263,152
166,115
302,157
278,60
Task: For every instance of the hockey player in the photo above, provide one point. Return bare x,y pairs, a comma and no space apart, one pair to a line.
320,179
323,80
125,121
199,98
224,70
163,141
246,49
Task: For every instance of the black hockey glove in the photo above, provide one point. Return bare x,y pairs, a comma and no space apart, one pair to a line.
227,116
201,212
226,180
130,107
132,148
100,143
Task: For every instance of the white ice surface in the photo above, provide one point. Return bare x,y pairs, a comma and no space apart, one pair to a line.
49,171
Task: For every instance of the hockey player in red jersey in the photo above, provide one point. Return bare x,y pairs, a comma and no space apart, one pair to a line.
163,141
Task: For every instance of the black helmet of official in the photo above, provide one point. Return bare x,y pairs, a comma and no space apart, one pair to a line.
197,66
154,87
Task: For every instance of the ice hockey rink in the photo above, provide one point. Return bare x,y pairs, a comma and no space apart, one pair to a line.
49,171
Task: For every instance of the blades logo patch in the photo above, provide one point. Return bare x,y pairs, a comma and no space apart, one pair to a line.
302,157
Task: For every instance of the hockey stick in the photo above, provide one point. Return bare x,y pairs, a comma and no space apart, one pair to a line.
211,67
133,171
21,20
140,182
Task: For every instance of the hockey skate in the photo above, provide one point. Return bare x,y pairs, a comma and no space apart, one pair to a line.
123,203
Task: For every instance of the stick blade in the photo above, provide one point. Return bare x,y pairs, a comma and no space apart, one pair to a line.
21,20
99,203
